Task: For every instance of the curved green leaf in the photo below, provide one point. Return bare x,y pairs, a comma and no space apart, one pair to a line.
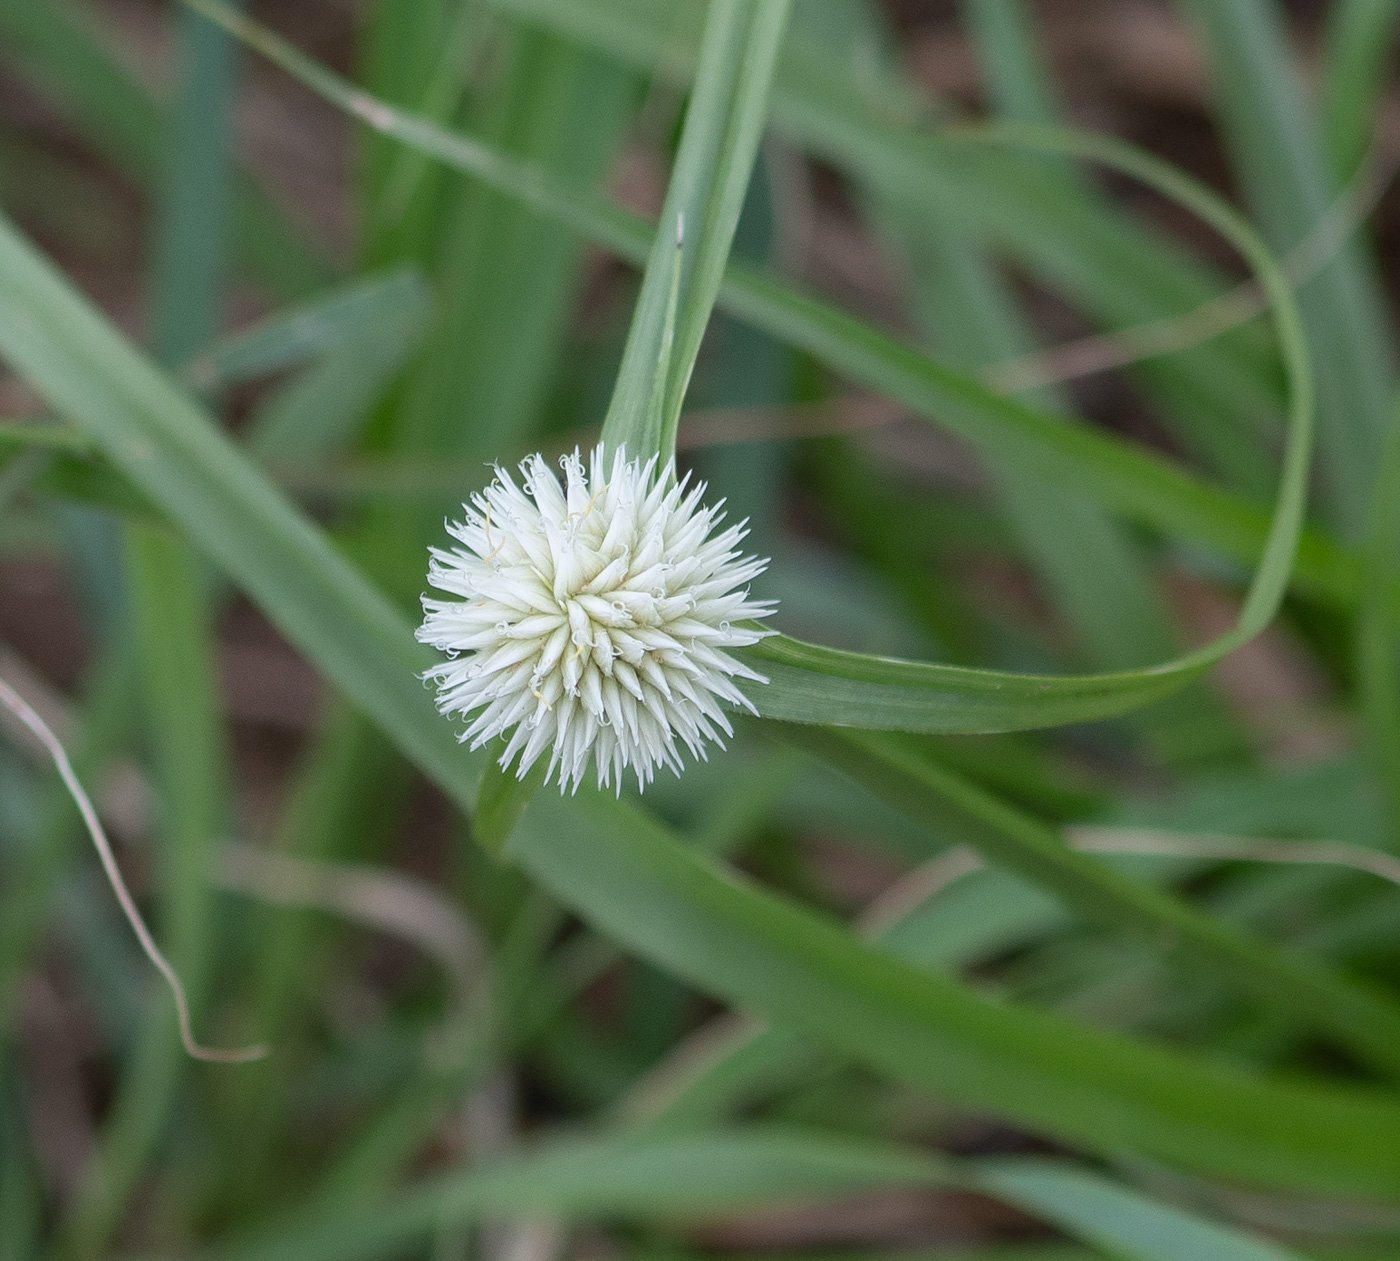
1080,696
1039,439
808,683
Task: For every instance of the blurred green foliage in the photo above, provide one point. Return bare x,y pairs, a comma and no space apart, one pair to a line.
517,1026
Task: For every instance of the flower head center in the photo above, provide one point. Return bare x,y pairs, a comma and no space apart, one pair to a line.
593,618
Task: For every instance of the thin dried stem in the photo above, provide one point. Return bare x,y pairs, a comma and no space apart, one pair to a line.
1106,840
910,892
386,900
1119,349
719,426
26,713
932,877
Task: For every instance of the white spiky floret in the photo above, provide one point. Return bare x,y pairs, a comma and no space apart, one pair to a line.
591,618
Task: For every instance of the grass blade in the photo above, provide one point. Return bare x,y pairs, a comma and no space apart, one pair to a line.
631,880
722,129
504,280
178,672
320,412
600,1178
1116,1219
708,1173
1272,575
1135,483
1377,667
1359,34
397,299
809,683
834,105
164,443
195,202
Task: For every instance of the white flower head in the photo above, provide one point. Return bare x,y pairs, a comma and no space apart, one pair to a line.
591,619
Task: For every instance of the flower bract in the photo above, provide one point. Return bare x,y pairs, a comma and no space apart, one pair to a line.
591,619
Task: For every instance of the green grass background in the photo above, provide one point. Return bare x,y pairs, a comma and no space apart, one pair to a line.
512,1026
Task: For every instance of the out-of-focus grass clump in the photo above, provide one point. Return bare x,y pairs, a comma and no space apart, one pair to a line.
1044,908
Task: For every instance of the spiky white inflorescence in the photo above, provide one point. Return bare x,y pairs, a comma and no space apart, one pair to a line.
592,618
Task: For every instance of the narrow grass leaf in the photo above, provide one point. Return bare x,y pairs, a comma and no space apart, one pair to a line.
723,125
1377,632
836,105
1282,534
1135,483
1356,50
320,412
809,683
624,874
505,280
1123,1222
592,1178
168,448
175,657
705,1174
395,300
